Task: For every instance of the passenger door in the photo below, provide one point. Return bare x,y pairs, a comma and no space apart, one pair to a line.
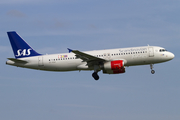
151,52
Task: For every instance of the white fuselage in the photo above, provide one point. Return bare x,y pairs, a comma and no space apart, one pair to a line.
68,61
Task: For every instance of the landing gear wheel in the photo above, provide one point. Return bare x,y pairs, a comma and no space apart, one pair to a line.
152,71
95,76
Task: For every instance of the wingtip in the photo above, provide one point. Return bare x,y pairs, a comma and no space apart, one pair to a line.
69,50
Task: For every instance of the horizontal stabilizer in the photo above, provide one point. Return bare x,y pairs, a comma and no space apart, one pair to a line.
17,60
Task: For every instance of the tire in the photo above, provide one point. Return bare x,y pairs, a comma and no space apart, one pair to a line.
95,76
152,71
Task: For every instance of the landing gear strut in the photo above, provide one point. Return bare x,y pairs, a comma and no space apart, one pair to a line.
95,76
152,71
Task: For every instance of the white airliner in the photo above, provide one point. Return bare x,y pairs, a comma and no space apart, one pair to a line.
110,61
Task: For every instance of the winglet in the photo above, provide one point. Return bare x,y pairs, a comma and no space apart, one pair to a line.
70,50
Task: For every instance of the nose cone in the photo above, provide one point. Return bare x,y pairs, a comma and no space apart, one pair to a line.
171,56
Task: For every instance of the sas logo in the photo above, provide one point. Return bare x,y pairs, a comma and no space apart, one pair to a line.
23,52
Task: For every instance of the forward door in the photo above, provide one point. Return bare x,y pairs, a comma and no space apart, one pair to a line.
151,52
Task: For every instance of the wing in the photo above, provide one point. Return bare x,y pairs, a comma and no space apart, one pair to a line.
90,59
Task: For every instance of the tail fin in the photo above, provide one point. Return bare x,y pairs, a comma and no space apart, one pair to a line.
20,47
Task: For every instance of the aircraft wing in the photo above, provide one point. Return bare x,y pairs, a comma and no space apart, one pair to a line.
87,57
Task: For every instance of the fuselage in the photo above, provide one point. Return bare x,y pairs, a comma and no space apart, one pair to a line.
70,62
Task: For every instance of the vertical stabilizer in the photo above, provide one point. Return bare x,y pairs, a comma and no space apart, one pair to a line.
20,47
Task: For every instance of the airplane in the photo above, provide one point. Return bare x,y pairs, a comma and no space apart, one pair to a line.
110,61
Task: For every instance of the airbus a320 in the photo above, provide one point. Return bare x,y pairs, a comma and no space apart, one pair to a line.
110,61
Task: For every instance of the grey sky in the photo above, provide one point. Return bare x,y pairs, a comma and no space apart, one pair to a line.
53,26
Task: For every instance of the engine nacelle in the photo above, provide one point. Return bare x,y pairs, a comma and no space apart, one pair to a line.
114,67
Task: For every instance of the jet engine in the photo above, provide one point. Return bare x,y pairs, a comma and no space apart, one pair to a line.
114,67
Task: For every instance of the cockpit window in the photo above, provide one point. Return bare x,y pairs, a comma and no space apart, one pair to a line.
162,50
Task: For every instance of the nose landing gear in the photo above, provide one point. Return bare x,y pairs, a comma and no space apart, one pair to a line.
152,71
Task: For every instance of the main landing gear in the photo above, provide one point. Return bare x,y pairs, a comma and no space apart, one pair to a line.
95,76
152,71
95,73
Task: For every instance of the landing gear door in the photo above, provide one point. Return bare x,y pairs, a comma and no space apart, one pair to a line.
151,52
40,61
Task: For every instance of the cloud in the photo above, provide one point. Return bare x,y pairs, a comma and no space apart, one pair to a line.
15,13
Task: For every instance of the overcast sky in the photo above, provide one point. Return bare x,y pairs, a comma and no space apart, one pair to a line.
53,26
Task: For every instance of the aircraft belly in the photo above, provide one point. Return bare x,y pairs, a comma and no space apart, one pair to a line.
139,61
61,66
